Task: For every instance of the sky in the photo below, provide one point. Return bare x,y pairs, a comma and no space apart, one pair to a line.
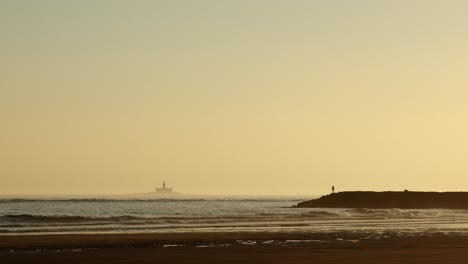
233,97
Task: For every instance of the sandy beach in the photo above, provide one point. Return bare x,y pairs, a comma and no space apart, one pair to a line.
233,248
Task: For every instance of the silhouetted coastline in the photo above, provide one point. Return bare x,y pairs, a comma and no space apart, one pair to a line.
386,200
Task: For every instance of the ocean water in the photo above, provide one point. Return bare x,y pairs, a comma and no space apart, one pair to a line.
40,216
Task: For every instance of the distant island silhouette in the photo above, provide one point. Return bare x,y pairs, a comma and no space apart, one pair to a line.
386,200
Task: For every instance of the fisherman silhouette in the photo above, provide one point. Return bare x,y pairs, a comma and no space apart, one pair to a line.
333,188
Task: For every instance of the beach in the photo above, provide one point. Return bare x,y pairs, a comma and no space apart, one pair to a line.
234,247
236,230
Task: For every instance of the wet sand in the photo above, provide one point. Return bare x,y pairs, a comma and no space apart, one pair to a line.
234,248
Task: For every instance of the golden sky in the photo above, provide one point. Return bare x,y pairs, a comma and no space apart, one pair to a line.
233,97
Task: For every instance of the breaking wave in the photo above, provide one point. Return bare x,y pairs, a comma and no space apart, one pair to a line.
177,215
27,218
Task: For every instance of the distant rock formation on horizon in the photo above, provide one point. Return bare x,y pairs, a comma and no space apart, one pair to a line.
386,200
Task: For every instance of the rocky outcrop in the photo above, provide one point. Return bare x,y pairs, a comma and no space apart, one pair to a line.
402,200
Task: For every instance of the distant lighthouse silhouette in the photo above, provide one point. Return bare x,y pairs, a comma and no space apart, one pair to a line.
164,189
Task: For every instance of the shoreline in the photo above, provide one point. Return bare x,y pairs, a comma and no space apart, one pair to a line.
235,247
46,242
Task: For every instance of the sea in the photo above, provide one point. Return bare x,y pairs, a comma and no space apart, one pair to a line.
214,214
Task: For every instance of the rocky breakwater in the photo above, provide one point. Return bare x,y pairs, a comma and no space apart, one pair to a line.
402,200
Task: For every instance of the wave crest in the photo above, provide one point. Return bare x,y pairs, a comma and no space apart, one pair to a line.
28,218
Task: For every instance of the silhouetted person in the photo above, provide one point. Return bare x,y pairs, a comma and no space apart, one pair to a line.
333,188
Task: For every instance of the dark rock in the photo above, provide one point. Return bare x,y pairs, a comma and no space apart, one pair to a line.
402,200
